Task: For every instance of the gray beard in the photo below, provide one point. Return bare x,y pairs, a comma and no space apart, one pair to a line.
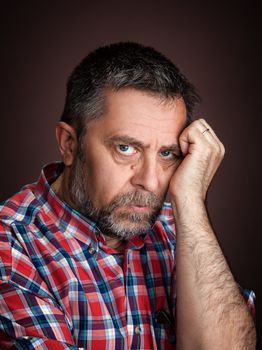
110,219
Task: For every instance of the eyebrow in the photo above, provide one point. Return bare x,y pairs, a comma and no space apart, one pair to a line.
125,139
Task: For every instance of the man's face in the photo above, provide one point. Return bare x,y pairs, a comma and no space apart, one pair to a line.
121,175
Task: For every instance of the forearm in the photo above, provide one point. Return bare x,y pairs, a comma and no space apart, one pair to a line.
211,312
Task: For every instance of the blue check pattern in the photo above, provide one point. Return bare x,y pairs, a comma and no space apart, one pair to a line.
62,287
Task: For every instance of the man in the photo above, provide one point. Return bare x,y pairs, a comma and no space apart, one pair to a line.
89,254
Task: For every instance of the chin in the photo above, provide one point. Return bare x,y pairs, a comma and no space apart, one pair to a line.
129,229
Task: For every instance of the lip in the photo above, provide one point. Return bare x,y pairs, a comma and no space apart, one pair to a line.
138,208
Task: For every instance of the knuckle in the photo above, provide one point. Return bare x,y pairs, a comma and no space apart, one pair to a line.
222,150
193,124
215,151
198,121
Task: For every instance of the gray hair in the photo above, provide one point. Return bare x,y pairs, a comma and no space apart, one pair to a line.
117,66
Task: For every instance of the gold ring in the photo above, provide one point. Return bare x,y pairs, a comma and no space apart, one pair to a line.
207,129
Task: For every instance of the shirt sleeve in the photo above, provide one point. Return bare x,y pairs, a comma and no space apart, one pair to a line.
250,299
30,322
30,317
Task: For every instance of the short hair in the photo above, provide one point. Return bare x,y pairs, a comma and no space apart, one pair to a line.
122,65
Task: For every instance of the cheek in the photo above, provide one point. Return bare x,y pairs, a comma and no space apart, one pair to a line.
106,180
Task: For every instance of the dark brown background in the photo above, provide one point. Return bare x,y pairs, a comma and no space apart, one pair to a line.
216,44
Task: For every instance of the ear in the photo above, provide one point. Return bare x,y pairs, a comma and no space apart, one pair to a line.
67,142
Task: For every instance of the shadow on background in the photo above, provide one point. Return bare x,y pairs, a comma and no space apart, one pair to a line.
217,45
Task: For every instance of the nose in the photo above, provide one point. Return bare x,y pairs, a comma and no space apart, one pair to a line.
146,175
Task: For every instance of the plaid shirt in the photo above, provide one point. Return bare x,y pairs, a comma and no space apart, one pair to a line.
61,287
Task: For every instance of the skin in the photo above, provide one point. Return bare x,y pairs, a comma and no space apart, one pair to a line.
133,139
137,139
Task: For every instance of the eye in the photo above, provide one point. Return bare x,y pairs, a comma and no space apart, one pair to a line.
168,154
126,149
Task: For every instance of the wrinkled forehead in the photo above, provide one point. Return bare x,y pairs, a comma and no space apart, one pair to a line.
140,115
112,100
131,105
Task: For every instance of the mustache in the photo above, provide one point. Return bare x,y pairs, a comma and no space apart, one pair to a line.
136,198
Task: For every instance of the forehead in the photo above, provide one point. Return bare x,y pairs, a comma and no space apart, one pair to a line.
140,115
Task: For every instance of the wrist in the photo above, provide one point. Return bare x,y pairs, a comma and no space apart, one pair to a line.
188,205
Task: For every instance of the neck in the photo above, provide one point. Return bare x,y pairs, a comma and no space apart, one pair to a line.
115,243
60,187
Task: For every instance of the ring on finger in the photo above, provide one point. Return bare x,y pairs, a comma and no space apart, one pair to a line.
206,130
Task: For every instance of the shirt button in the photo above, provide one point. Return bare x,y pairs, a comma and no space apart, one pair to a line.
138,330
91,250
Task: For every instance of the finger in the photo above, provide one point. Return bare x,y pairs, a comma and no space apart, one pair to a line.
209,133
191,137
210,147
205,128
218,147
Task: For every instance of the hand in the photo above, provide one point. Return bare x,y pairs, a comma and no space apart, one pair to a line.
203,153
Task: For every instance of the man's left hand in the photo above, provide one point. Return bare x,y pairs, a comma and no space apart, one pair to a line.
203,153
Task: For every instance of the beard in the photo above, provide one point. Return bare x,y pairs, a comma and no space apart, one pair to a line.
116,218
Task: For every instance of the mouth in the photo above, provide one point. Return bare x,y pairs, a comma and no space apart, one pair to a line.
138,208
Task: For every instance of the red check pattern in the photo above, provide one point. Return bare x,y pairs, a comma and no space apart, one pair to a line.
61,287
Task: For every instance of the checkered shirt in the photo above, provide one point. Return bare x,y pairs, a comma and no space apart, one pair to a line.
61,287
